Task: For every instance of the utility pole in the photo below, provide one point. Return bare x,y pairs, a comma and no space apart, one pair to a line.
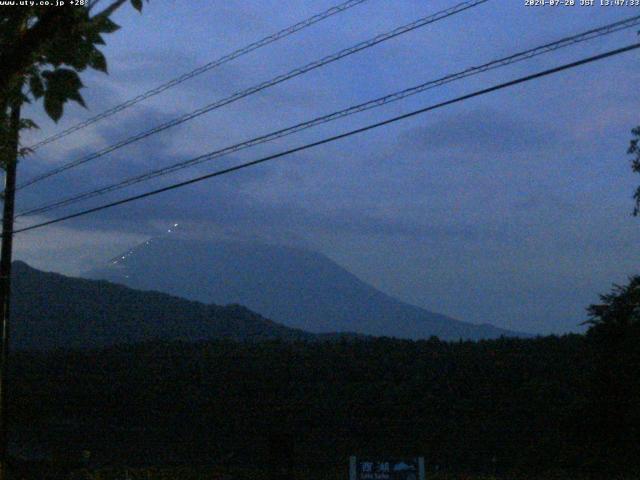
10,158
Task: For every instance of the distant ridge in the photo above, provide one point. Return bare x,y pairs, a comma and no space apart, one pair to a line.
296,287
52,311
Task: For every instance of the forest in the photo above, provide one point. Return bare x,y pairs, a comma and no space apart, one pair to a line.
547,407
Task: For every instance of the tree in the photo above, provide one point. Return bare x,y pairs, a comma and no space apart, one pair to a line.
614,341
634,149
619,313
42,51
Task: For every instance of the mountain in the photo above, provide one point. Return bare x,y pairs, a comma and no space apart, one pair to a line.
53,311
298,288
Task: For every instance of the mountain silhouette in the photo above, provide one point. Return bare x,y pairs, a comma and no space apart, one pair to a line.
296,287
52,311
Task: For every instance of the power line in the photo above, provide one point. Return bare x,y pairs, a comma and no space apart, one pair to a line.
393,97
262,86
334,138
204,68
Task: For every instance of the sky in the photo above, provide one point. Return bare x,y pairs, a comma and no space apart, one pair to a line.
513,208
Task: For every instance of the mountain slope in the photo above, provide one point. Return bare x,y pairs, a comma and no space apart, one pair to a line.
53,311
298,288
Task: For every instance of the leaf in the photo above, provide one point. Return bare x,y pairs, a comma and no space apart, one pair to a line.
24,151
106,25
28,124
137,4
53,106
98,61
62,85
94,37
76,97
62,79
80,57
36,85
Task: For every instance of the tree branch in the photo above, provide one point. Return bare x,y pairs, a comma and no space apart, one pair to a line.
18,57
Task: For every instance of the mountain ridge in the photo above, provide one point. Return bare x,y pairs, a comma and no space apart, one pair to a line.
51,311
293,286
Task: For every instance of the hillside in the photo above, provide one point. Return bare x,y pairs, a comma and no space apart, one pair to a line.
53,311
295,287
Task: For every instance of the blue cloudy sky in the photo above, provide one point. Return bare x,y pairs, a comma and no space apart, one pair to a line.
513,208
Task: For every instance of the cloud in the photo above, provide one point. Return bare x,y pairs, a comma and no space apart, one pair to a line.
483,131
512,208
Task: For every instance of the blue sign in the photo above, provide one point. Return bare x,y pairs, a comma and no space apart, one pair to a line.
386,469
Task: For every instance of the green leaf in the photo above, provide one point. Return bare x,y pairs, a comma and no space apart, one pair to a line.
36,85
106,25
28,124
62,85
53,106
80,57
137,4
94,37
61,81
97,61
76,97
24,151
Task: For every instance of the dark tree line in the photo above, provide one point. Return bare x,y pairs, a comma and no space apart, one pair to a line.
565,404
